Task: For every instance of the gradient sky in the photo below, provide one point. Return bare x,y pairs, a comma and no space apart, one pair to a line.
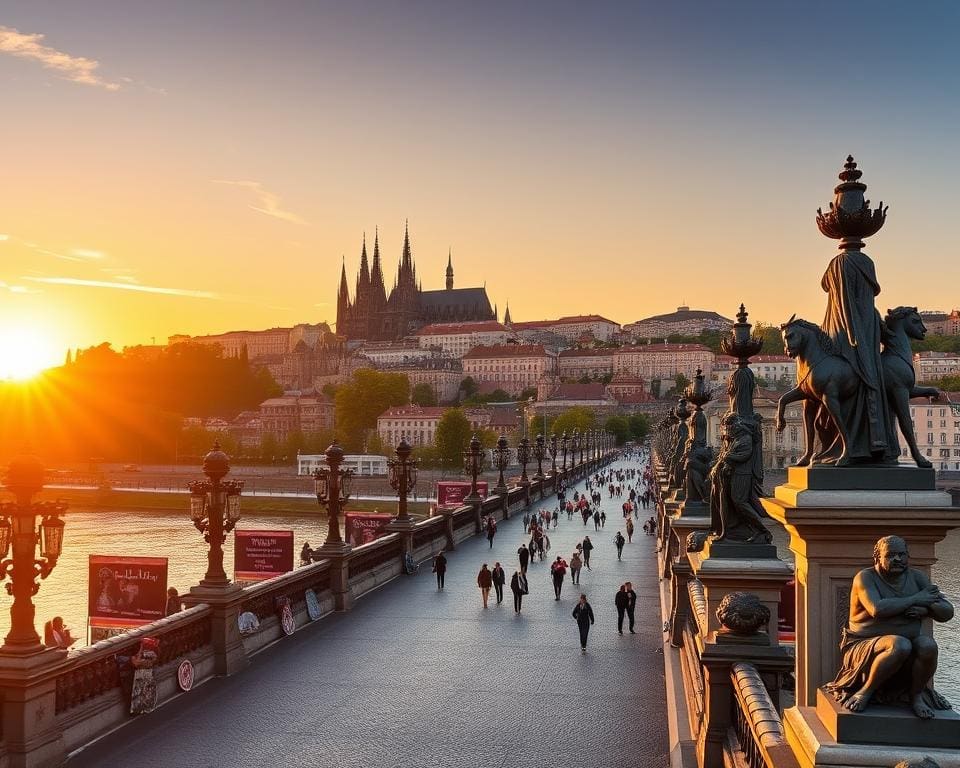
192,167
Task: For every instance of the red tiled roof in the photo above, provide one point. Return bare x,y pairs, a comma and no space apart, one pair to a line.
664,348
505,350
570,320
951,398
441,329
583,352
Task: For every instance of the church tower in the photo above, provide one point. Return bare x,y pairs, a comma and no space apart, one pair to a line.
449,270
343,304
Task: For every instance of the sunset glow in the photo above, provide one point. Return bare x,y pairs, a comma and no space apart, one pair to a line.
24,352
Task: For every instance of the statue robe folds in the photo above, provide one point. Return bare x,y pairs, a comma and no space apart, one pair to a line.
854,325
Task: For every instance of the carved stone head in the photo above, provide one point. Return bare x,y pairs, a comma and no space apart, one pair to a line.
742,613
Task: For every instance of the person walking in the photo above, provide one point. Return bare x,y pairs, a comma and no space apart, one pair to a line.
587,548
621,601
629,525
491,530
526,521
576,563
596,520
524,554
631,604
485,581
619,541
499,579
583,614
519,587
558,570
440,568
603,518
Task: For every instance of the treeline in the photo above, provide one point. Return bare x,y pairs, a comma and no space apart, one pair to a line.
114,407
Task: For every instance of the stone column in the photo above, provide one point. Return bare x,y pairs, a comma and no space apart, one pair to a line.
339,557
226,602
30,732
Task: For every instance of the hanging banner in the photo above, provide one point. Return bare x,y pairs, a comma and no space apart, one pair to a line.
363,527
125,592
259,555
451,493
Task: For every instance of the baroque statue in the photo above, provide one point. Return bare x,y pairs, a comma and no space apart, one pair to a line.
736,483
697,471
680,435
885,655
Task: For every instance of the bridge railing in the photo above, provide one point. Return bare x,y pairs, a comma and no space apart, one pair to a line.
757,724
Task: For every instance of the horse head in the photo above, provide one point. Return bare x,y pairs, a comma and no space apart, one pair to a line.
798,335
907,319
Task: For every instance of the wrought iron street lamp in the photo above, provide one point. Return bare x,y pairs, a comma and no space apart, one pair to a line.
589,444
523,458
472,465
19,532
564,439
501,460
215,510
574,447
553,453
539,452
332,486
403,477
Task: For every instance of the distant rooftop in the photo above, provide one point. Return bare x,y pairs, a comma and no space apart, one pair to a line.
685,313
442,329
505,350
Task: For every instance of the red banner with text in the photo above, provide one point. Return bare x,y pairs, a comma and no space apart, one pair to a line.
126,591
364,527
451,493
259,555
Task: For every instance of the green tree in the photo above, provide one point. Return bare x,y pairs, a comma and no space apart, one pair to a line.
948,384
680,383
639,426
578,417
619,427
468,387
528,393
452,437
360,401
423,395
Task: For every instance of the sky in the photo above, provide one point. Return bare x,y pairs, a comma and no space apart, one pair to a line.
184,167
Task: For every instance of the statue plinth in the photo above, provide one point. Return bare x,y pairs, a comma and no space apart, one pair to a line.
832,535
720,576
824,477
738,550
814,745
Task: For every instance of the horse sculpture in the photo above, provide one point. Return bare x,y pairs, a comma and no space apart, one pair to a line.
901,325
825,382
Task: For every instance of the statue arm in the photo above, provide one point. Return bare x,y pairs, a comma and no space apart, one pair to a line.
740,450
879,607
942,609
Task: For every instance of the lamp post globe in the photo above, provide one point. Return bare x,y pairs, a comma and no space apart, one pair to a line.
501,458
523,458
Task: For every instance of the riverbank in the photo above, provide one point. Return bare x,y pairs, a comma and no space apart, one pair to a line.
96,500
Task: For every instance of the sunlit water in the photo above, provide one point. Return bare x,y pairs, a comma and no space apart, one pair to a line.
151,534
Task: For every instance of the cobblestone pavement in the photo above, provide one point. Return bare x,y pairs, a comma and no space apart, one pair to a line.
415,677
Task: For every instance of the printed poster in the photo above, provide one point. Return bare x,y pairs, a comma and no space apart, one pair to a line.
451,493
259,555
363,527
126,592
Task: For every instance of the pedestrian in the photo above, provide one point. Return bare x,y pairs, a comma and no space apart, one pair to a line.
556,517
558,570
631,604
499,579
306,555
603,518
619,541
526,521
587,547
583,613
621,601
576,563
174,604
56,635
440,568
596,520
519,587
485,581
629,525
653,526
524,554
491,530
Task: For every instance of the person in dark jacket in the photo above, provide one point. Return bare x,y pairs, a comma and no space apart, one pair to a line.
621,601
519,587
583,613
485,581
440,568
631,604
491,530
587,549
558,570
524,554
499,579
619,541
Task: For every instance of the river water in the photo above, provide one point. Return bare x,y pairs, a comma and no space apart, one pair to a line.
172,535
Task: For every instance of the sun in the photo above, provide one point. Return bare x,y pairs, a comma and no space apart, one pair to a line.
24,352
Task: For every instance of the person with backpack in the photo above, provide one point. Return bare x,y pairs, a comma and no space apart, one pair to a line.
524,555
558,570
576,563
619,541
485,581
519,587
440,568
631,604
583,614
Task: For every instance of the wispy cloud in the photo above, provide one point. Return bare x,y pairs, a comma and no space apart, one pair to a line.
88,254
125,286
77,69
17,288
267,202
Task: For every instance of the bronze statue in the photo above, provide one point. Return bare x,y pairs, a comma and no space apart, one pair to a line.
680,436
901,325
735,510
886,656
828,387
697,471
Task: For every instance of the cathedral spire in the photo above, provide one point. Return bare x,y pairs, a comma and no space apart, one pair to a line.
379,290
407,262
450,269
506,315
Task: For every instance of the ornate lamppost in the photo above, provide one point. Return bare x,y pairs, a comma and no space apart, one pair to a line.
472,465
553,453
215,510
574,448
501,460
564,439
403,479
332,486
539,452
590,442
19,532
523,457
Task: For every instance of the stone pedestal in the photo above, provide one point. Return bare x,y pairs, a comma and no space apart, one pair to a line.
813,746
405,528
834,519
721,575
337,555
681,526
447,515
229,655
29,694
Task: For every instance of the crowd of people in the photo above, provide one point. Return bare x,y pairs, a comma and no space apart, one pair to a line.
632,483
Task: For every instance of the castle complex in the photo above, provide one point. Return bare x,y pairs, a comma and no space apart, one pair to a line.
373,315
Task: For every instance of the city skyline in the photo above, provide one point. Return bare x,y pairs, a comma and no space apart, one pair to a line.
165,176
